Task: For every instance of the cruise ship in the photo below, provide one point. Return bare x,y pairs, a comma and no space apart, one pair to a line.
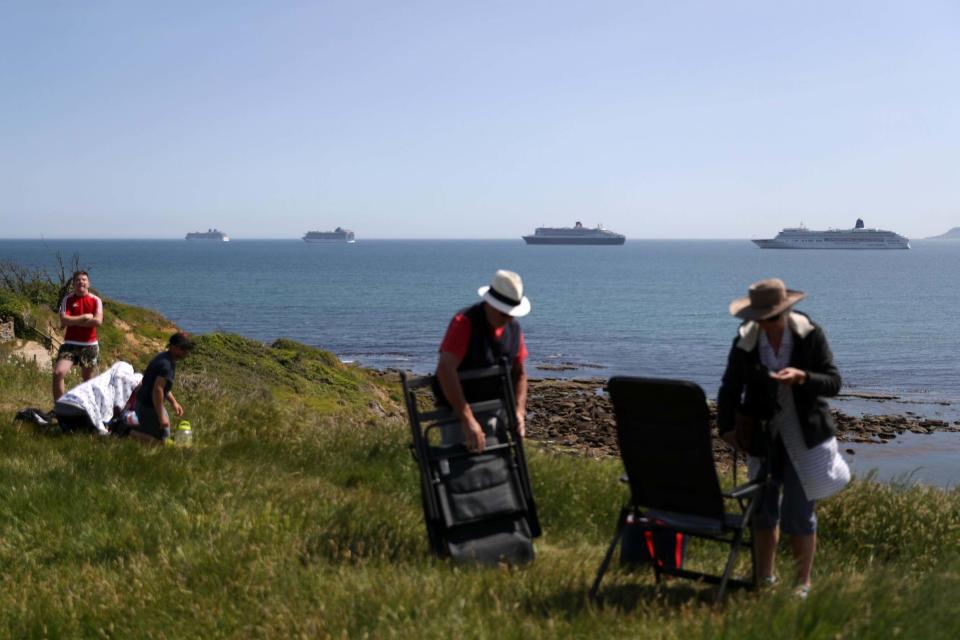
209,234
337,235
577,234
857,238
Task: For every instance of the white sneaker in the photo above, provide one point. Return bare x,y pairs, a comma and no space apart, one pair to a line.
802,591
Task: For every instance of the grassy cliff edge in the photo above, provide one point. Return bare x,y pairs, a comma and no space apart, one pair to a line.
296,514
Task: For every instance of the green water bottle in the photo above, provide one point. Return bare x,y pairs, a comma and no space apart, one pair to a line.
183,434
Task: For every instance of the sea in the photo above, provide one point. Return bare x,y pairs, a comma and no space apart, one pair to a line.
647,308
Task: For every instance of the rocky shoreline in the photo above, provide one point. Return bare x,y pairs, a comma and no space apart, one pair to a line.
576,416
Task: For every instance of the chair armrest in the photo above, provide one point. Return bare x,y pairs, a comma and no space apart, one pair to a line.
743,491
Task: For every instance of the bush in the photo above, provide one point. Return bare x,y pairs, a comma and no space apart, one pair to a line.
35,286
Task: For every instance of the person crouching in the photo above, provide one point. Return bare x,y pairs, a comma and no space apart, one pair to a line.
156,387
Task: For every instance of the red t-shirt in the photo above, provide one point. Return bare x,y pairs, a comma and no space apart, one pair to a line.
457,339
74,305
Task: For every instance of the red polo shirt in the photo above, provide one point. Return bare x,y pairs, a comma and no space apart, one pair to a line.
74,305
457,339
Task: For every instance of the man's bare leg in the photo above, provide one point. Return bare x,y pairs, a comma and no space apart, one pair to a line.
60,371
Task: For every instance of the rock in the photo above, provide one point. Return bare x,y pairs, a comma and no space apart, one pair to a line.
6,330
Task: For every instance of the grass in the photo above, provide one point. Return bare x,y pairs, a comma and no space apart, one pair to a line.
296,514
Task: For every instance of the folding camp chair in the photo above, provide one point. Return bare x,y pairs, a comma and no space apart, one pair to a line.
664,435
478,507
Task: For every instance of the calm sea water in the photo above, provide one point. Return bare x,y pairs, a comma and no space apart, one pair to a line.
647,308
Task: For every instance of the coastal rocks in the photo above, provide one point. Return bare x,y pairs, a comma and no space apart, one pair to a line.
870,428
6,330
576,416
572,415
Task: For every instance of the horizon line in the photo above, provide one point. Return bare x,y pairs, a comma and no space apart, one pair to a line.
295,239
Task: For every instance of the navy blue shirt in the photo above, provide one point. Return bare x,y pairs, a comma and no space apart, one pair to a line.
162,366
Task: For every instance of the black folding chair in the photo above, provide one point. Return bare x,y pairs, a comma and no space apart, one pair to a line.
478,508
664,433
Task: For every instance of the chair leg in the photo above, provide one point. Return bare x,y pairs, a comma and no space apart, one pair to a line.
609,555
734,548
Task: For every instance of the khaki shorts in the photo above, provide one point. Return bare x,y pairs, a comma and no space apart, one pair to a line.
85,355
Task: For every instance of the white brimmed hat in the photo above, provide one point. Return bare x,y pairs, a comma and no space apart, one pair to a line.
505,294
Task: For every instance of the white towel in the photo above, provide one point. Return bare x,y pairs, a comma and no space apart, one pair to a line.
100,395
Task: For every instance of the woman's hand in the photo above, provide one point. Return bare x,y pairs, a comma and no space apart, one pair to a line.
789,375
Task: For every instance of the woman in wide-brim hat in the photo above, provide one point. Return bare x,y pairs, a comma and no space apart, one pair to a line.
778,372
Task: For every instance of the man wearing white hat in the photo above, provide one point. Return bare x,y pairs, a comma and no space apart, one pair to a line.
478,337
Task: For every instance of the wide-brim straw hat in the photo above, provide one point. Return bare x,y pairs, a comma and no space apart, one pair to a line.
765,299
505,293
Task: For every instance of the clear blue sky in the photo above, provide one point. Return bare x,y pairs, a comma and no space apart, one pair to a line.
477,119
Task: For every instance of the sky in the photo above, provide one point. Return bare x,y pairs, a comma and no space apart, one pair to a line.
470,119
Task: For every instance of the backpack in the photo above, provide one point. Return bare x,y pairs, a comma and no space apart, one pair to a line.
36,416
643,545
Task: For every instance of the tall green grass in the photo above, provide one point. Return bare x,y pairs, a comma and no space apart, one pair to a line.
297,514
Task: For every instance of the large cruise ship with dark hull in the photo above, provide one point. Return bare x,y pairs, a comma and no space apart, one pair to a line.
577,234
337,235
857,238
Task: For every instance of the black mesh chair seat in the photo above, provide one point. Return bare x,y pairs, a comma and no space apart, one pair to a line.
693,525
478,508
475,487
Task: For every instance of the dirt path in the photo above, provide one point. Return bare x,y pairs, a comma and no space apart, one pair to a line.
34,352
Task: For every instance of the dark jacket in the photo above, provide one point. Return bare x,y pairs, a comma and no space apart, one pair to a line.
748,388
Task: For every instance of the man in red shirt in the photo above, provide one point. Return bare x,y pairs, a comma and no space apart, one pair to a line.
80,313
478,337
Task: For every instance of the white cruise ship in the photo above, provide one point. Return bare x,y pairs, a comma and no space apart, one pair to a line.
857,238
337,235
209,234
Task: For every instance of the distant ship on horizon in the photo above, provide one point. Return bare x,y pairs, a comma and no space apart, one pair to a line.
577,234
857,238
209,234
337,235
